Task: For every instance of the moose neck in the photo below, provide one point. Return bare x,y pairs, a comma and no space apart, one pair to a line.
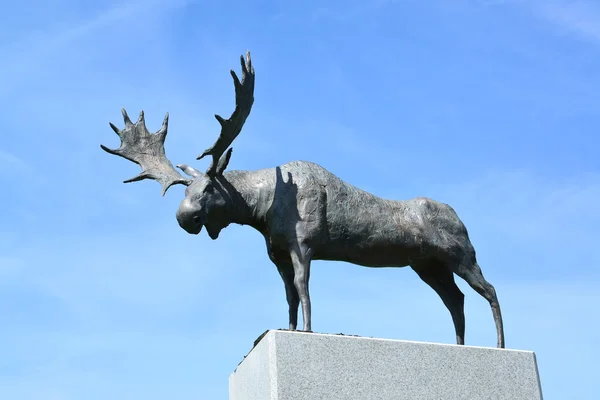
250,199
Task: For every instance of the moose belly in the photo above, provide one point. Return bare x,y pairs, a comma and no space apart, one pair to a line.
391,250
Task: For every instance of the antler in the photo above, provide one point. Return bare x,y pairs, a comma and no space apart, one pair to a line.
231,128
148,151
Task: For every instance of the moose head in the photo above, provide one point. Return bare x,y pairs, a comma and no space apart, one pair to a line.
208,202
208,198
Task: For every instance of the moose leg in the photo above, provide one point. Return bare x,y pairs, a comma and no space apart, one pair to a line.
470,271
301,264
287,274
441,279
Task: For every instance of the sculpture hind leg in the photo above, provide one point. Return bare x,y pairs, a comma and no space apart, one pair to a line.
441,279
469,270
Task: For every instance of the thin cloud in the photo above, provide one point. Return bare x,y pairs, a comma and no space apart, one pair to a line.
26,56
579,17
550,225
10,160
526,204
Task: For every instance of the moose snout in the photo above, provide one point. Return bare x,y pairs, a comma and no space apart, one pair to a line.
189,218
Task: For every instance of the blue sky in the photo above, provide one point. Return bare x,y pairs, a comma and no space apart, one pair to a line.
490,106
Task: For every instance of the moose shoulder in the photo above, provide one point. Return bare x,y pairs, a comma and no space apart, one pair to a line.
306,213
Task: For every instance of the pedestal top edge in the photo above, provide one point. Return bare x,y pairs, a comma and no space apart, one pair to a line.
344,336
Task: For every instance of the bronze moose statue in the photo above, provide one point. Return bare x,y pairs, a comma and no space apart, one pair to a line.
306,213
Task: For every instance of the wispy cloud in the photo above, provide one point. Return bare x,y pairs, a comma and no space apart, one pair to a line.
10,160
581,17
551,223
577,17
348,10
28,55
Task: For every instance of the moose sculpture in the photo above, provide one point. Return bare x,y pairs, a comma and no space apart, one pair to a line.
306,213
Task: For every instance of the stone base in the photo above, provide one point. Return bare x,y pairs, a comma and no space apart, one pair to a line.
287,365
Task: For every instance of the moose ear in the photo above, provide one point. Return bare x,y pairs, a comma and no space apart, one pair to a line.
194,173
224,161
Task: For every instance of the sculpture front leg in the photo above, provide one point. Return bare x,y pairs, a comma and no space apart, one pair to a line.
287,274
301,265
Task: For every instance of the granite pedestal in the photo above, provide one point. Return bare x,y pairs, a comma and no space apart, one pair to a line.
286,365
